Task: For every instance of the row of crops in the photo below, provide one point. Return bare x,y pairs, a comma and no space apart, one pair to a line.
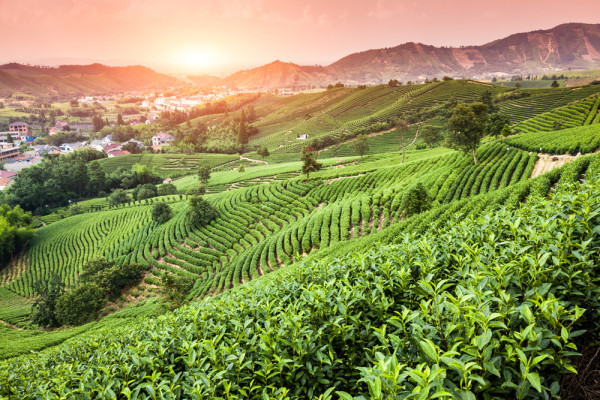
582,139
476,307
165,162
263,227
576,114
542,101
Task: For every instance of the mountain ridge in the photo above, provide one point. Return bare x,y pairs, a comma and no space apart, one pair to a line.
566,46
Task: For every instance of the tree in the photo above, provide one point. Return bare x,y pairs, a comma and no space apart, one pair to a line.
145,191
309,160
394,83
518,85
97,122
467,125
402,127
361,146
496,123
43,311
9,138
241,169
506,131
415,200
118,196
80,305
204,173
431,134
487,98
263,152
131,147
242,130
1,105
200,211
554,84
120,120
166,189
161,212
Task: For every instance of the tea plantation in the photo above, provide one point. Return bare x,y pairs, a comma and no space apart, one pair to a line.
337,286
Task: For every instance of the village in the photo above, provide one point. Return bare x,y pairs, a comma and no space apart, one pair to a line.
18,151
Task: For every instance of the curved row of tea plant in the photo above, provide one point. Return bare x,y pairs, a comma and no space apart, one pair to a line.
487,307
582,139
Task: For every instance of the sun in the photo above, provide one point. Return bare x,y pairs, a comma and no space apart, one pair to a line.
197,59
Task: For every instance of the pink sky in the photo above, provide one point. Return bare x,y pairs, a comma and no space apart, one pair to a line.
216,34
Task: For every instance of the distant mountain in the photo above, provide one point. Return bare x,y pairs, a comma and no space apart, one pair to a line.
575,46
71,80
279,74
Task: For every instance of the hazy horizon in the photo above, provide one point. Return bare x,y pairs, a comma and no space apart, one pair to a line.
221,36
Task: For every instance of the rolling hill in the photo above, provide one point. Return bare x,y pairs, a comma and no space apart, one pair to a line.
330,288
72,80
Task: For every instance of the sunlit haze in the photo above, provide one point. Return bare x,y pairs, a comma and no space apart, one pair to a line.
219,35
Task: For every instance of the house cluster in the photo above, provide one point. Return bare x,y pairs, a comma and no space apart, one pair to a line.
174,103
10,141
161,139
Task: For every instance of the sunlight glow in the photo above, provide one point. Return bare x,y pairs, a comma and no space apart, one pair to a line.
197,59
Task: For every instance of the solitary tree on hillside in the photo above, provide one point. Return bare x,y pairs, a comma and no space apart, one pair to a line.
361,146
555,84
120,120
243,131
518,85
309,160
431,134
467,125
402,127
204,173
119,196
161,212
200,212
263,152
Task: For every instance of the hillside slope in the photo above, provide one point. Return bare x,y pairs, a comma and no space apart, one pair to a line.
71,80
493,293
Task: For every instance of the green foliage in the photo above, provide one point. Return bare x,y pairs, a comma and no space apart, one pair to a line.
467,125
145,191
496,123
15,231
204,173
431,134
161,212
43,311
80,305
309,162
200,211
584,139
174,289
506,131
361,145
118,197
415,200
263,152
166,189
446,313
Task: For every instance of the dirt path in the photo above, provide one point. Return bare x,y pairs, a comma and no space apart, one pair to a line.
547,162
10,325
254,160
